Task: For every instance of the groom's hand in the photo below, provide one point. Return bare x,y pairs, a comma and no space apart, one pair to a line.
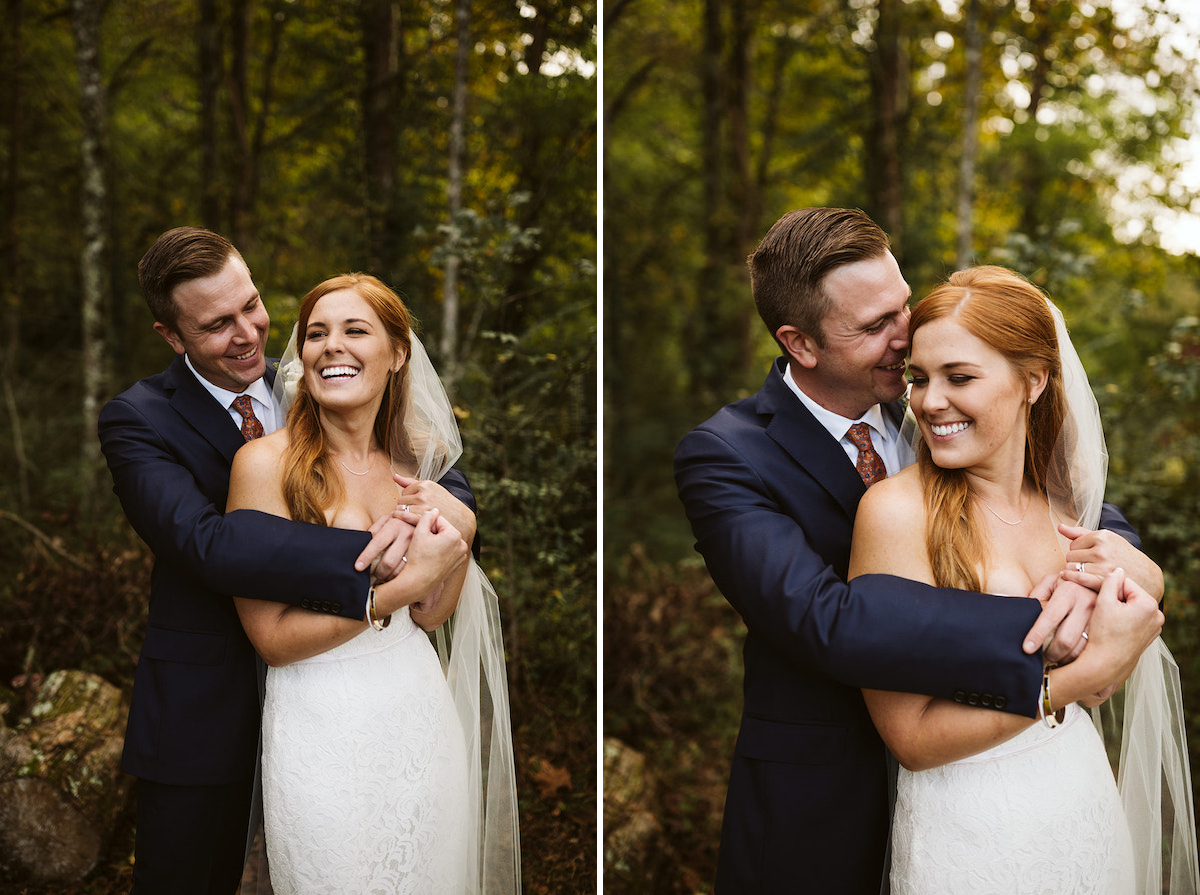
384,555
1067,608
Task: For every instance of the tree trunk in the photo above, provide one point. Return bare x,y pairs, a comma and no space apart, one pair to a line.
1033,176
240,227
382,49
970,139
208,42
10,277
85,18
889,92
458,116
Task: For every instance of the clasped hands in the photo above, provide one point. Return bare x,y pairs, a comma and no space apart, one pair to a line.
426,536
1105,601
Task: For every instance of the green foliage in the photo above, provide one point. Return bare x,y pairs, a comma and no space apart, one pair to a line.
284,169
1081,111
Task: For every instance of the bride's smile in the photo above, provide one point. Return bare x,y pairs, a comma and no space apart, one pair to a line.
347,353
969,401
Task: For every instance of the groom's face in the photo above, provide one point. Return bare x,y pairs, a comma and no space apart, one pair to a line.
865,338
222,327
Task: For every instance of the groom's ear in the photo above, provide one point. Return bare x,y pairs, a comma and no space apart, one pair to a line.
171,337
800,346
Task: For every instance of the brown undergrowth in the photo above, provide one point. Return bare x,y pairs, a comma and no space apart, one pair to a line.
672,685
85,608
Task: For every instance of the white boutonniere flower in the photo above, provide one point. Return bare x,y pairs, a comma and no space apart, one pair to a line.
908,426
291,372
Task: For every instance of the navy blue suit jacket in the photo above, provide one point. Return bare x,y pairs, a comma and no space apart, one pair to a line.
194,717
771,498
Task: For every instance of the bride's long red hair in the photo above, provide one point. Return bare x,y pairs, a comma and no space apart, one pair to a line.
311,486
1005,310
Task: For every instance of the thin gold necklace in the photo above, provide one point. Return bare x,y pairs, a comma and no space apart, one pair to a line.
351,471
1001,518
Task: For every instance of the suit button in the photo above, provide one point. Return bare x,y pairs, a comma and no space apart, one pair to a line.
305,604
973,699
960,696
329,607
986,700
1001,702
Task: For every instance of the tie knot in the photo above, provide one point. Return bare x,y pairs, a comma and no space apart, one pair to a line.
251,426
243,406
860,436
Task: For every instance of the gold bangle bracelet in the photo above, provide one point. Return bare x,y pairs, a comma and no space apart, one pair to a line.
1047,707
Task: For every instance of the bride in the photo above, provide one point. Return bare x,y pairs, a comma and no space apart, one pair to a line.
384,769
1011,460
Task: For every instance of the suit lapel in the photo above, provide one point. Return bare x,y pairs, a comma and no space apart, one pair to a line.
809,443
200,410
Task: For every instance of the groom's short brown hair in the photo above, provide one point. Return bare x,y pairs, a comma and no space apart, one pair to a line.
788,269
180,255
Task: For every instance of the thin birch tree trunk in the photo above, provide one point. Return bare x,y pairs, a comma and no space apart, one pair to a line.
462,17
85,19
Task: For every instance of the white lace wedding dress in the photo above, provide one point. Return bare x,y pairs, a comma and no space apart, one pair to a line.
364,770
1037,814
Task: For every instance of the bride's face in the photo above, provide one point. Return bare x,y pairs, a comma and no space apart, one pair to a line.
347,353
968,400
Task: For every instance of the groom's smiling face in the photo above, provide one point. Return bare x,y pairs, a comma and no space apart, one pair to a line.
859,360
222,326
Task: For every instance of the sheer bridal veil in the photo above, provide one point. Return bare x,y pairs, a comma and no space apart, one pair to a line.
1153,775
469,645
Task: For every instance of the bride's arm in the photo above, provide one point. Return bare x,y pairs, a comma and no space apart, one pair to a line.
922,731
281,633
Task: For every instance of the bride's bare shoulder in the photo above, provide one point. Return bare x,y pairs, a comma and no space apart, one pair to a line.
889,529
256,476
896,497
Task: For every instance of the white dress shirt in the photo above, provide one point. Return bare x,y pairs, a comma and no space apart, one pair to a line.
885,434
260,398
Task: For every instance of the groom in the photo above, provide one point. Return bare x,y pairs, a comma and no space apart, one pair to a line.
192,735
771,485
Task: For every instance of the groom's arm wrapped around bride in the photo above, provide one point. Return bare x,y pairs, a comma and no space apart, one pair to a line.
246,552
777,543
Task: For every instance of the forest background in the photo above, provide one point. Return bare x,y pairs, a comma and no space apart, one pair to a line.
447,147
1044,136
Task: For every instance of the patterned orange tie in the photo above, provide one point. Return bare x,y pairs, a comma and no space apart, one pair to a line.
870,464
251,427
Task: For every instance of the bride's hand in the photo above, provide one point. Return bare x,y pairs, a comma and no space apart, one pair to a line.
1098,553
437,551
418,496
424,611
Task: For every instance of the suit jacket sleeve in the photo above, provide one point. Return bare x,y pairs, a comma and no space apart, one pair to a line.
245,553
1114,520
878,631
